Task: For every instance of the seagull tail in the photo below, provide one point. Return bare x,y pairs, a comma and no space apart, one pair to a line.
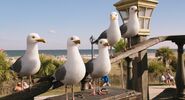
54,82
47,78
57,84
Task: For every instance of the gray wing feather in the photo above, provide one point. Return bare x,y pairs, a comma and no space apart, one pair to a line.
89,66
123,29
103,35
60,73
89,70
17,65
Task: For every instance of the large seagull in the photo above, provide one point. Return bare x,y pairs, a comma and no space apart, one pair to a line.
29,64
73,70
131,27
100,66
112,34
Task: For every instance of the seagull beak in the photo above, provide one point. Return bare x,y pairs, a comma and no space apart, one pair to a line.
77,41
113,17
41,40
106,44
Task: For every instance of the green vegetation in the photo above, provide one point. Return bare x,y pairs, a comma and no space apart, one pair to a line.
48,65
166,60
120,46
5,73
165,54
156,66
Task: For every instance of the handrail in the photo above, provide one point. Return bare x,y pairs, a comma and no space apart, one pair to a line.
146,44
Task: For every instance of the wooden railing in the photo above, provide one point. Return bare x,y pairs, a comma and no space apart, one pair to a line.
180,82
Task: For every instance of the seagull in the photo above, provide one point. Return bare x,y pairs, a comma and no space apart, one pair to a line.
112,34
131,27
99,66
73,70
29,64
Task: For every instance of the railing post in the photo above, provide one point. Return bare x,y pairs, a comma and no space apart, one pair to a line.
129,73
141,69
180,72
122,75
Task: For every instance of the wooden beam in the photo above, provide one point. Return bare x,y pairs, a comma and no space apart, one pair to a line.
28,94
146,44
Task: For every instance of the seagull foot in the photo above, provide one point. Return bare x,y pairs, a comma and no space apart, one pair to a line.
103,91
93,94
79,96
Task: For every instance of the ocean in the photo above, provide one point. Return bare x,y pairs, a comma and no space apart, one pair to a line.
15,53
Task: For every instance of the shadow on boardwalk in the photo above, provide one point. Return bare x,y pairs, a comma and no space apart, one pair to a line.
166,94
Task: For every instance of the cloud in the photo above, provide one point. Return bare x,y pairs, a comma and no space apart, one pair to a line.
52,31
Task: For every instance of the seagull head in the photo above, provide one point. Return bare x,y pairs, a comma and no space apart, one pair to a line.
114,16
102,43
133,10
34,38
73,41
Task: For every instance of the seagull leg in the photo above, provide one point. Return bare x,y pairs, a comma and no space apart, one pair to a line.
66,92
72,92
99,90
94,88
22,83
30,82
111,52
99,87
129,43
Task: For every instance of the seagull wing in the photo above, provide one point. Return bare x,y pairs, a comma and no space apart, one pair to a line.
17,65
103,35
89,70
89,66
123,29
60,73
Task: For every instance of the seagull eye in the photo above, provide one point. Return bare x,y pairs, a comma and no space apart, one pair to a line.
100,42
71,38
33,37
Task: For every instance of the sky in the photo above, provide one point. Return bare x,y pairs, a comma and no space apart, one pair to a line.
56,20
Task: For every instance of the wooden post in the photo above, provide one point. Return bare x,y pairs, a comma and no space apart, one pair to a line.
180,72
142,75
129,73
122,75
140,79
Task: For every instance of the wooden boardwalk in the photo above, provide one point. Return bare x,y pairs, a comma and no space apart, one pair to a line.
113,94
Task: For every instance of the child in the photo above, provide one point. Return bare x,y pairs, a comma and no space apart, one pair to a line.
105,80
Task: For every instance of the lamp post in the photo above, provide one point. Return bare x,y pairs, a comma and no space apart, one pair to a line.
145,8
138,81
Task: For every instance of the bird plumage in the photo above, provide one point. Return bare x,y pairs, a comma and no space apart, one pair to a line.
29,63
73,70
99,66
131,27
112,34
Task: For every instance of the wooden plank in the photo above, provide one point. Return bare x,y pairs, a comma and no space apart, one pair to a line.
137,48
113,94
28,94
146,44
